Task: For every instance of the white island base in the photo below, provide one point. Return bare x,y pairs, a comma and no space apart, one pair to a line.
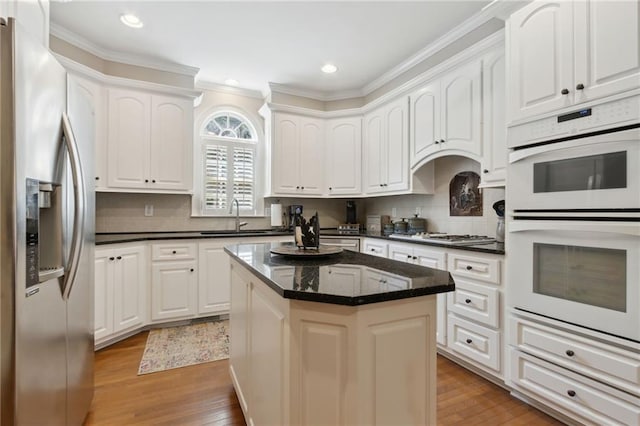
295,362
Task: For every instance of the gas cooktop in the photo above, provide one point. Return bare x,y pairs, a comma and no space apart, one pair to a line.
460,240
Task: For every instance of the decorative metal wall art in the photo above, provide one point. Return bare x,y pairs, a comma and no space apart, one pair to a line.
465,199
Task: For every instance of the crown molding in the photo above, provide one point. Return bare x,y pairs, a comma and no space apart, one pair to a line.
88,72
273,107
315,94
475,21
222,88
124,58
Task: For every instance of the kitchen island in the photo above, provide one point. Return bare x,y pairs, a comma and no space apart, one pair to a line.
342,339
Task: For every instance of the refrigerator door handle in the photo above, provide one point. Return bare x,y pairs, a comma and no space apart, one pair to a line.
79,195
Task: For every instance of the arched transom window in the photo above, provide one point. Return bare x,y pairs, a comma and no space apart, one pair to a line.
229,155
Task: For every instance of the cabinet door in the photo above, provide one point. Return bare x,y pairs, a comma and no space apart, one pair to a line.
129,138
462,109
437,260
424,137
344,156
607,48
311,156
174,290
373,157
171,143
540,58
396,143
494,138
93,93
401,253
129,288
103,293
33,16
375,248
285,170
239,332
213,279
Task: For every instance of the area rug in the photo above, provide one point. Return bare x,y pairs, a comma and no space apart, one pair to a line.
176,347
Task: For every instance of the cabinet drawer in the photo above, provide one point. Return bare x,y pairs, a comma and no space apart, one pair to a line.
607,363
476,302
478,268
474,341
375,248
575,395
173,251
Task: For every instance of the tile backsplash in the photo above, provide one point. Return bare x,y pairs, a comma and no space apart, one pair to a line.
435,208
123,212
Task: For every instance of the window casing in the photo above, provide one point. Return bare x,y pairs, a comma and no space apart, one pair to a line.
229,160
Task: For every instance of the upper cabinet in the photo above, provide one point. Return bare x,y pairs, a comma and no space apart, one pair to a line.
565,53
494,130
386,146
297,155
446,115
149,141
33,16
343,156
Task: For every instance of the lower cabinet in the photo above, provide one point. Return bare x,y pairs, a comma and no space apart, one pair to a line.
174,290
120,290
213,278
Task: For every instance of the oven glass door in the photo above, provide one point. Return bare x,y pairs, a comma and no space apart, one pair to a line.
583,273
599,172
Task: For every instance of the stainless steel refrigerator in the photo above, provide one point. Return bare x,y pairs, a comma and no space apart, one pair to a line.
46,237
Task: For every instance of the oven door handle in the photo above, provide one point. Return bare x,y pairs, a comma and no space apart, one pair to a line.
626,228
625,135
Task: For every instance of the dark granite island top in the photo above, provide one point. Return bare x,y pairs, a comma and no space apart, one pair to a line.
347,278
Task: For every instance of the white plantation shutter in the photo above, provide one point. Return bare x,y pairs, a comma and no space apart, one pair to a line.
229,157
216,177
243,176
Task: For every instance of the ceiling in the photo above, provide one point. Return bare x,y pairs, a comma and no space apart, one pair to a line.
261,41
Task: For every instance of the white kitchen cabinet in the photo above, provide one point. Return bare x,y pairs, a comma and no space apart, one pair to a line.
344,156
494,129
95,94
474,319
564,53
298,153
174,281
33,16
431,257
386,148
446,115
120,290
375,247
149,141
214,277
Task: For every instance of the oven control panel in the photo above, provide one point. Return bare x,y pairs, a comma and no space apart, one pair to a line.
593,118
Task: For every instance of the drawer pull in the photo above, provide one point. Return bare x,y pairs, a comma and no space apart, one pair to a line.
191,269
174,252
467,301
119,257
570,353
415,257
373,249
469,341
469,267
571,393
112,258
408,256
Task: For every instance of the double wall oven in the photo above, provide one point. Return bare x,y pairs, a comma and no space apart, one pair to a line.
573,203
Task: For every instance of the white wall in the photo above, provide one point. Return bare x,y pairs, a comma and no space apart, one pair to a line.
435,208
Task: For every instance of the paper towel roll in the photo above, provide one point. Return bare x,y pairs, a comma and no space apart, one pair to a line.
276,215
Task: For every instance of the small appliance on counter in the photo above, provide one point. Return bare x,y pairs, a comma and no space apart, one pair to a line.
349,229
498,206
293,211
375,223
351,212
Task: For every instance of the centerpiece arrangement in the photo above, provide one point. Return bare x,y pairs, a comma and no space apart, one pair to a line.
307,239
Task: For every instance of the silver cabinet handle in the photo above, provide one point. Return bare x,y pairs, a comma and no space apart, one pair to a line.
77,240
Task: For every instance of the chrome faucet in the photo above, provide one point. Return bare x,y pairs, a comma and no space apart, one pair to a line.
238,223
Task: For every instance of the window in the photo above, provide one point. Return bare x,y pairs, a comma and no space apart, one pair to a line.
229,159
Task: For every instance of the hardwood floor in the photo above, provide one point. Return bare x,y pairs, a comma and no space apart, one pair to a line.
203,394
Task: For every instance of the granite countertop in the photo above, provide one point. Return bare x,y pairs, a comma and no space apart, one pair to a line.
347,278
126,237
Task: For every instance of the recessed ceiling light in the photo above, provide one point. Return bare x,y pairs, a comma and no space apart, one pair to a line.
131,20
231,82
329,68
